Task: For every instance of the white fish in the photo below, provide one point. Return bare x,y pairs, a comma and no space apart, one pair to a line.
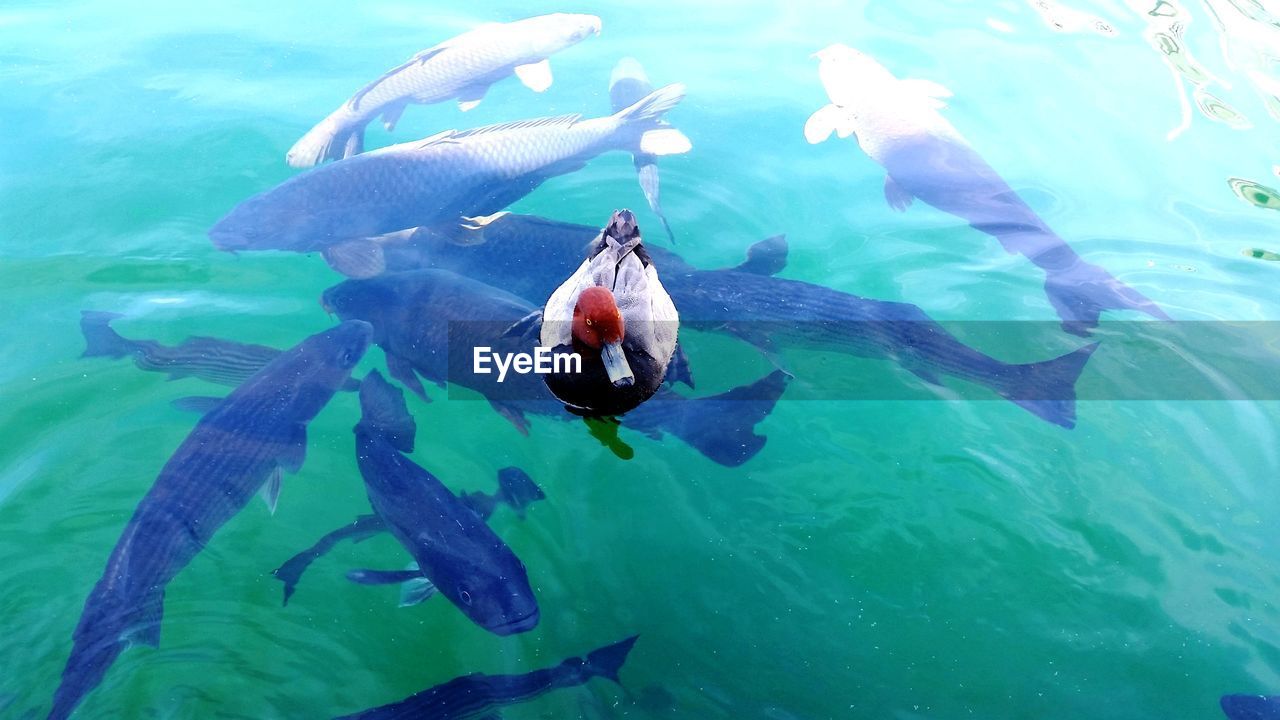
463,67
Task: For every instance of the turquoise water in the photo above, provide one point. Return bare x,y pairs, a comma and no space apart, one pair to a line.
899,560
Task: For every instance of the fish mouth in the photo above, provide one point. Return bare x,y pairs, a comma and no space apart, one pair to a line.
517,625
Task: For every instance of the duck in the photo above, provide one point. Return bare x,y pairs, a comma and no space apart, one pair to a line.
615,314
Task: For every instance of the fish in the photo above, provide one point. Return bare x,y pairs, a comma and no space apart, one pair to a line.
215,360
237,449
771,313
1251,707
462,67
614,312
430,321
457,552
515,489
456,182
627,84
897,124
478,696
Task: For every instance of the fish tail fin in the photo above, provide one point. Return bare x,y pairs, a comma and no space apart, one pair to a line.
1079,296
517,489
330,139
645,132
647,170
722,427
1048,389
384,413
608,660
100,339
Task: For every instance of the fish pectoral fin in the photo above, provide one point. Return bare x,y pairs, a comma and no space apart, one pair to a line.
145,629
767,257
826,120
471,96
358,259
526,327
391,115
678,369
413,592
513,416
535,76
894,194
927,88
270,492
295,449
471,229
403,371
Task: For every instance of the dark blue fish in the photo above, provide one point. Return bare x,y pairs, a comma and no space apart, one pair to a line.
478,696
258,431
428,322
1251,707
515,489
215,360
455,549
769,312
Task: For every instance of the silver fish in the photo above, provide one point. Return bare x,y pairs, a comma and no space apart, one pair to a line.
462,67
457,181
627,84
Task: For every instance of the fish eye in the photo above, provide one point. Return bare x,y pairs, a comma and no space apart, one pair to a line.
464,595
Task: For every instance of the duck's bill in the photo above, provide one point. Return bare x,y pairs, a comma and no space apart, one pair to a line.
616,365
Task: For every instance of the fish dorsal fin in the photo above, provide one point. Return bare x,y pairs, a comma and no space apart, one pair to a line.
767,257
934,93
425,55
565,120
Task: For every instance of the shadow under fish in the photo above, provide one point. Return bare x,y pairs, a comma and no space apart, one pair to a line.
429,323
235,450
479,696
768,312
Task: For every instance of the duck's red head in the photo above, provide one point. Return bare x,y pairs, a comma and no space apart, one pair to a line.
598,325
596,320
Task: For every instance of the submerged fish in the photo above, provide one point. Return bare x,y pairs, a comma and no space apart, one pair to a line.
456,551
771,313
1251,707
627,84
429,322
614,312
515,489
478,696
453,181
898,125
225,362
462,67
233,452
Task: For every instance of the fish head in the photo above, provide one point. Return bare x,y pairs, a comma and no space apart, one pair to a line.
369,300
502,603
321,364
852,78
1250,707
557,31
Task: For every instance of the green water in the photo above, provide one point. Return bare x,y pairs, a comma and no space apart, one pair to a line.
902,560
